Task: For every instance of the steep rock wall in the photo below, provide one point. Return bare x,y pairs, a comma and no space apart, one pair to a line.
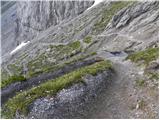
25,20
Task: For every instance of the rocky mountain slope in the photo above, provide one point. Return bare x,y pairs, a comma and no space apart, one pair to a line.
83,63
22,21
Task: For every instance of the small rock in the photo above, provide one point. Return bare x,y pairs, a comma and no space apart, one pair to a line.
141,72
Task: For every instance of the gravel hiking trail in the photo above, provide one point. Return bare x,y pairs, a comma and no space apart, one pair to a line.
120,99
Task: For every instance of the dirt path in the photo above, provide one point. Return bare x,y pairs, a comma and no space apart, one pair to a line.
122,99
115,101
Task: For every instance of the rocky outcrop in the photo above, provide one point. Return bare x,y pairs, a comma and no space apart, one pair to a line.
73,102
35,17
8,27
125,16
28,19
136,26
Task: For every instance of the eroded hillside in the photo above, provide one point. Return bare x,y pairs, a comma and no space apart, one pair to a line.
101,63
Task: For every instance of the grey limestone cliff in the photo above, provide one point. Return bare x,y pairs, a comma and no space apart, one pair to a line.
22,21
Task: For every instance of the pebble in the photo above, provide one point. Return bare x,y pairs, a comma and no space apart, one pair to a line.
137,106
141,72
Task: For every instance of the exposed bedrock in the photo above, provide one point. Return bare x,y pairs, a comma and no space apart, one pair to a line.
137,26
73,102
22,21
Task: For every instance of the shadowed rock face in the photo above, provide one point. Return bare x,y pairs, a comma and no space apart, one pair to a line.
27,19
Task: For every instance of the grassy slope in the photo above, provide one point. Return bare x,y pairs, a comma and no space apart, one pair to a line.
52,68
62,50
22,100
147,55
38,63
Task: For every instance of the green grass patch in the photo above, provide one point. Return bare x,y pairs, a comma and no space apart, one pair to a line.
12,79
147,55
94,53
87,39
41,62
75,45
140,82
108,14
153,75
61,51
54,67
44,69
22,100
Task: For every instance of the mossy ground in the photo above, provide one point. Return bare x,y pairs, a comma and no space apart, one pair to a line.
22,100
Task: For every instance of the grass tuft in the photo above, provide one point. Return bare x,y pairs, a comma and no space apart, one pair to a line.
140,83
87,39
12,79
42,64
22,100
75,45
94,53
147,55
153,75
